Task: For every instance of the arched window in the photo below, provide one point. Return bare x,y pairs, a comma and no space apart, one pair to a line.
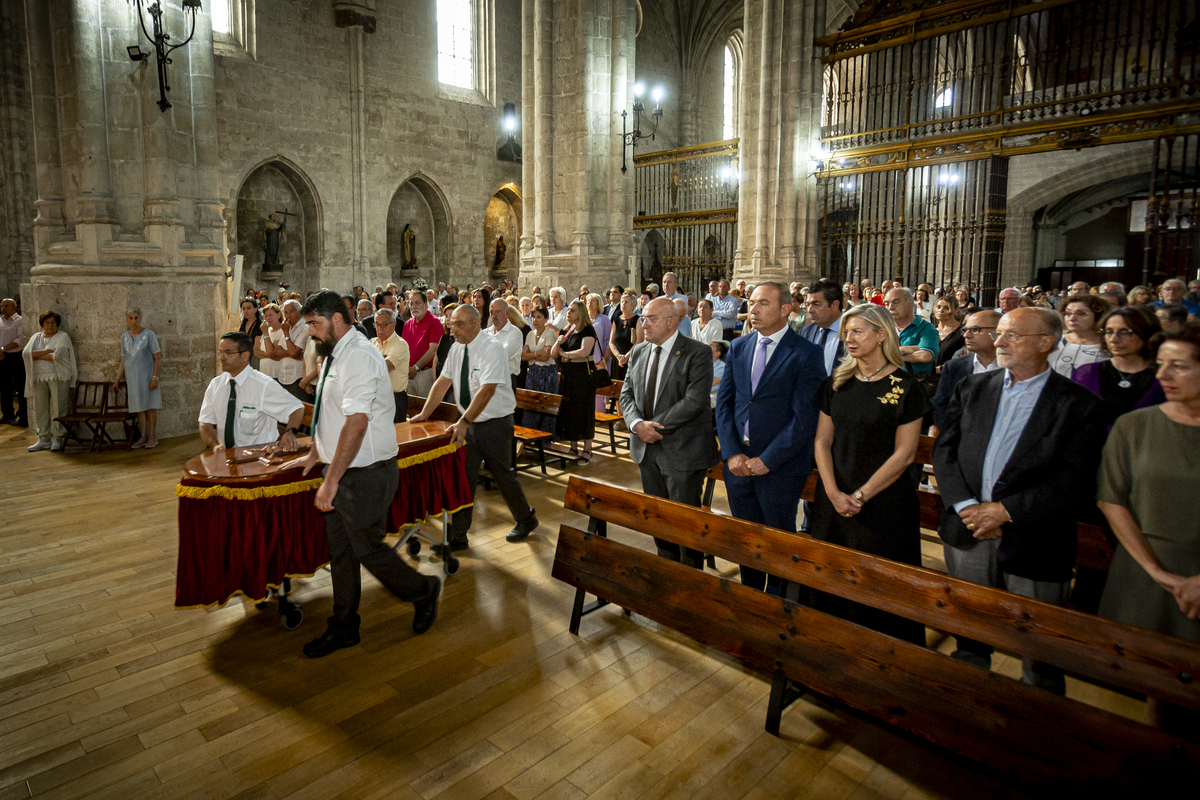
220,16
730,121
456,43
233,28
732,83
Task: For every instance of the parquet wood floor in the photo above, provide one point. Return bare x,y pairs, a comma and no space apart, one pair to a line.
107,692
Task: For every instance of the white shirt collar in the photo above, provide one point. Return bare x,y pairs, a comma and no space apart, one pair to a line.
669,344
775,337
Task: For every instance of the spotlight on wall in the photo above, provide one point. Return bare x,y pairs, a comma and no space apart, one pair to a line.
160,39
510,149
948,178
630,138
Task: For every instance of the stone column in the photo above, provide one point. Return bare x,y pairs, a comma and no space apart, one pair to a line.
577,80
781,112
128,214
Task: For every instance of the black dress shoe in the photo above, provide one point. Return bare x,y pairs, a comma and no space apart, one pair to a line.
426,610
329,642
521,530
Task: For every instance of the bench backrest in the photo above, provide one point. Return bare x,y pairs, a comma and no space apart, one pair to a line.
538,402
1142,660
1021,730
89,397
117,400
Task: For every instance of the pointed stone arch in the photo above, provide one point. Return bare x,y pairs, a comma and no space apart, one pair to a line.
257,183
419,202
502,217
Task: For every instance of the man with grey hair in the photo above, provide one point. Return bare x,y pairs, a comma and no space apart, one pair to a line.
1010,299
685,322
507,334
1172,295
365,312
1016,465
291,366
478,375
670,286
919,341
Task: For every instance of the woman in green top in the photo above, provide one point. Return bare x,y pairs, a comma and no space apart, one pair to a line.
1150,463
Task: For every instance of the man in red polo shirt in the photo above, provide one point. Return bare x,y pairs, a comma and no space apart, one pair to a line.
422,333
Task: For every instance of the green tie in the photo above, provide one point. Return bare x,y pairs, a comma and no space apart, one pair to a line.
230,414
464,386
320,385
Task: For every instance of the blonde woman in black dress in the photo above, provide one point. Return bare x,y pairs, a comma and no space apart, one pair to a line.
867,434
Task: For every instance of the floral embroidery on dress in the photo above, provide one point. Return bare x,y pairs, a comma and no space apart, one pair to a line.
893,395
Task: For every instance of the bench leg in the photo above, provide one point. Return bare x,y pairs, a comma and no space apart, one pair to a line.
612,437
542,455
577,611
710,488
783,694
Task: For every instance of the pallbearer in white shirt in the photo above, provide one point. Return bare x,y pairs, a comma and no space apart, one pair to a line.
354,435
477,370
243,407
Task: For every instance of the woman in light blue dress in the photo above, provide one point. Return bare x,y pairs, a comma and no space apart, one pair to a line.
140,362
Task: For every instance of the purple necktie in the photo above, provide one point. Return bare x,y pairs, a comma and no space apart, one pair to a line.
756,371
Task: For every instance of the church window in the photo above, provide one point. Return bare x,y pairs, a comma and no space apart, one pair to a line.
730,122
233,28
456,43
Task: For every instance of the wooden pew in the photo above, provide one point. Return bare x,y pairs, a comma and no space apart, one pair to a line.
444,412
1023,731
612,415
1095,551
537,403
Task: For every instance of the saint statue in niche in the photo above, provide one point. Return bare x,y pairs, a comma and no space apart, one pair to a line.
272,236
501,250
408,241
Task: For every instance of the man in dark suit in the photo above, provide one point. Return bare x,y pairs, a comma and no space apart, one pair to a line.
979,337
1016,465
767,418
665,403
824,316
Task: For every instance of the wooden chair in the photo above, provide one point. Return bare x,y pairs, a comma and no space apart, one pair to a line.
116,411
537,403
972,711
87,402
612,415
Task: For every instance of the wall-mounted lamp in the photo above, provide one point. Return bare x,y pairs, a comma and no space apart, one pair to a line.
631,138
510,149
160,41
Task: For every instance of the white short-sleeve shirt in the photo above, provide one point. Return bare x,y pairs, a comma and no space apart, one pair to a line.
510,337
488,364
292,369
357,382
260,401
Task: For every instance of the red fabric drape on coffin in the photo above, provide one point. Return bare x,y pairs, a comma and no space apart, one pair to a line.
229,547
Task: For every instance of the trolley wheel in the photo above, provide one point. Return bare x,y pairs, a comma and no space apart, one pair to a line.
292,618
414,547
451,565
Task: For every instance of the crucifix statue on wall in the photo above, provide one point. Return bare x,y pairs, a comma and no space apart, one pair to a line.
273,236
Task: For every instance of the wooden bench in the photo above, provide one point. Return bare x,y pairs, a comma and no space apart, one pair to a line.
612,415
536,403
116,411
1020,730
87,402
1094,553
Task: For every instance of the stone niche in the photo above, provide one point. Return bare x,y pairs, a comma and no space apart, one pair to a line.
502,218
418,203
268,190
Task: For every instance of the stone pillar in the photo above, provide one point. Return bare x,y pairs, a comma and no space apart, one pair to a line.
781,113
578,75
16,152
128,214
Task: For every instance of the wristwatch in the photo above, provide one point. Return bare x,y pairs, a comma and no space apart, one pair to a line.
858,495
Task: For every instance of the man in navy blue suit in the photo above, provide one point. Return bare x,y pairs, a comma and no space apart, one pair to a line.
767,418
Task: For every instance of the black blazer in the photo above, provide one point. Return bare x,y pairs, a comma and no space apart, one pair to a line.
953,371
1047,485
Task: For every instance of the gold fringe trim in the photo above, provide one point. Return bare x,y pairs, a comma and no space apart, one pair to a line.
283,490
421,458
270,587
230,493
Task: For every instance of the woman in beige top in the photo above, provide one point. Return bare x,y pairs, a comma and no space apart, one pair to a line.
543,372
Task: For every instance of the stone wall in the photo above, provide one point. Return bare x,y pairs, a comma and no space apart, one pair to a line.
17,184
266,192
306,110
408,207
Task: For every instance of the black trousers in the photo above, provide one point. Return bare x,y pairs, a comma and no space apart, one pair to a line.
491,442
12,382
356,528
662,478
401,406
295,391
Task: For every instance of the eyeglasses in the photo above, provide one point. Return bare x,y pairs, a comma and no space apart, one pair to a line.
975,330
1014,336
1120,333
